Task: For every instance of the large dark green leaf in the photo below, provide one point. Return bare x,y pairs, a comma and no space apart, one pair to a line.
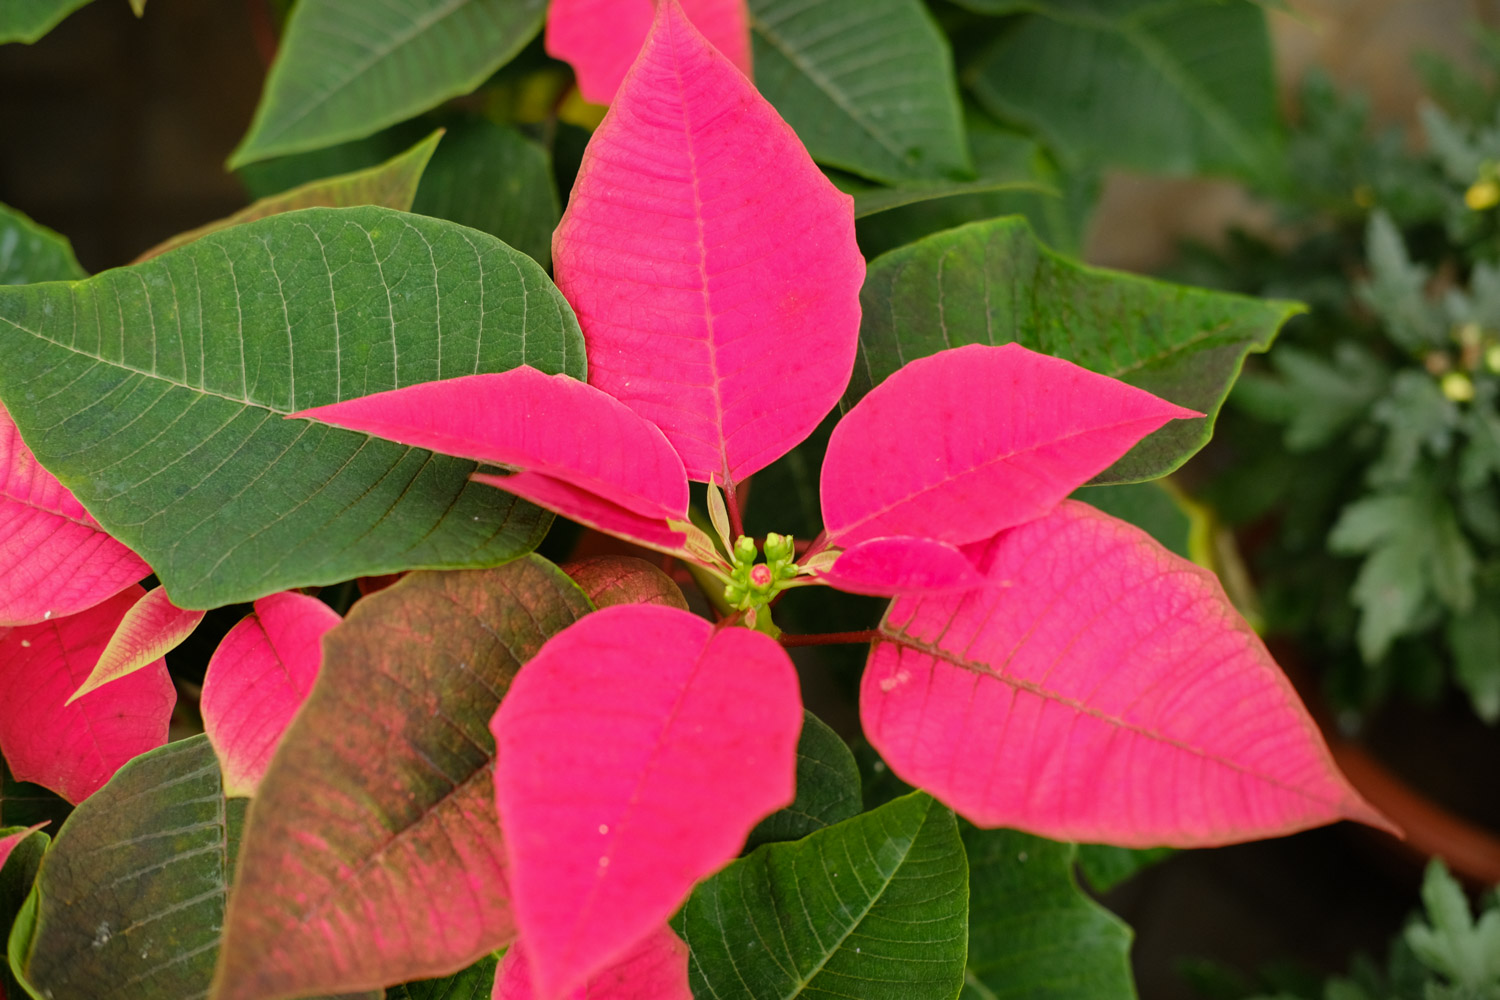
30,252
381,796
827,788
992,283
348,67
17,872
493,179
875,907
130,899
1177,87
156,393
867,84
29,20
1056,203
1033,933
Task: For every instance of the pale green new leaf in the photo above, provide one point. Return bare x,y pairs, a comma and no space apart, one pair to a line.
1466,951
993,283
1173,87
29,20
348,67
875,907
157,393
30,252
1033,933
867,84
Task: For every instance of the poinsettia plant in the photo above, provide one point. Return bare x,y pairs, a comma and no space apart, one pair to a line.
567,763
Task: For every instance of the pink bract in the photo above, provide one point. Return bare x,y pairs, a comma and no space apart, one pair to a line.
55,560
551,425
885,567
655,969
74,749
11,841
961,444
712,266
152,628
1098,688
600,38
609,743
257,679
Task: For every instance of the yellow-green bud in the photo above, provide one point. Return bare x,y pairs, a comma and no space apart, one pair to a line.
744,549
1458,387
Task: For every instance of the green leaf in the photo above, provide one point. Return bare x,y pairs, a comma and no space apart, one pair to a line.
1033,932
347,68
1317,399
30,253
1397,289
875,907
1414,550
992,283
1474,639
392,184
492,178
1105,866
1451,942
1057,207
874,200
473,983
16,878
1417,417
1176,87
867,84
29,20
156,394
380,798
827,788
130,899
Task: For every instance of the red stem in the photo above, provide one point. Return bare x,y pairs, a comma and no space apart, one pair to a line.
830,638
736,523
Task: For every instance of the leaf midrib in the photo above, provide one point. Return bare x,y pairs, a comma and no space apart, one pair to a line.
874,899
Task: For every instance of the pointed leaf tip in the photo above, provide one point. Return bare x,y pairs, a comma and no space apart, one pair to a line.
1098,688
151,629
258,678
961,444
642,713
712,266
73,749
600,39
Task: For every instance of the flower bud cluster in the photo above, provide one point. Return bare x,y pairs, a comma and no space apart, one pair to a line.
752,583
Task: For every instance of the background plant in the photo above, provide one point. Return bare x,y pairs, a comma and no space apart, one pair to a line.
1384,559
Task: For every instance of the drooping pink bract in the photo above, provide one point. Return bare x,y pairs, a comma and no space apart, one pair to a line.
961,444
885,567
54,558
583,453
151,629
655,969
258,678
1098,688
609,744
712,266
74,749
600,38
